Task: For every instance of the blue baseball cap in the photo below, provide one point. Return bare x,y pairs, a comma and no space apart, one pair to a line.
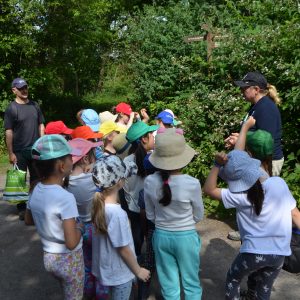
165,117
91,119
18,83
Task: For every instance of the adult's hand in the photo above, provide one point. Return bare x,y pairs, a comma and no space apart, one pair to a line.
249,123
231,140
12,158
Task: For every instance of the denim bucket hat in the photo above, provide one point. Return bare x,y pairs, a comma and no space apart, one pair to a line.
241,171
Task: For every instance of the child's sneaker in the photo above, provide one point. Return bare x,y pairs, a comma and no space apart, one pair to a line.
234,236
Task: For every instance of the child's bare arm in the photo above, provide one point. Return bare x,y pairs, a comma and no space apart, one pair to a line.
241,141
28,217
296,217
210,187
130,260
72,233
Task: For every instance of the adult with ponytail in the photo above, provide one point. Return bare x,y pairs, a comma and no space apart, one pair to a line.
114,262
173,202
264,101
265,210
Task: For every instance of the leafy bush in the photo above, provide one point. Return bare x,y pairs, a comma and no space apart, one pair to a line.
169,73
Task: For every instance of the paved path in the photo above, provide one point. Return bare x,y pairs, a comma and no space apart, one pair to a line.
22,276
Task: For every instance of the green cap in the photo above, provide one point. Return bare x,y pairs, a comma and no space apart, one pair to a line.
260,143
138,129
52,146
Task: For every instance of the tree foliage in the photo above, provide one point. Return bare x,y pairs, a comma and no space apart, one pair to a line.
73,50
252,35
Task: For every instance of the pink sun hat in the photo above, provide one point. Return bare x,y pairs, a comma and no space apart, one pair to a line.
84,147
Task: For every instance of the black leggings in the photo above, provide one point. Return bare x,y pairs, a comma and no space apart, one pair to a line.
137,233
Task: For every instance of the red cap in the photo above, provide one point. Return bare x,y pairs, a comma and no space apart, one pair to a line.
57,127
85,132
124,108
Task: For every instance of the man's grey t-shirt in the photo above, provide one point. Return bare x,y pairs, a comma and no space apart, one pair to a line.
24,120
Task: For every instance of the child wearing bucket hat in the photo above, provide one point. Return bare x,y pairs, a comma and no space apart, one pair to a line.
259,144
53,210
173,202
114,262
140,135
80,183
265,210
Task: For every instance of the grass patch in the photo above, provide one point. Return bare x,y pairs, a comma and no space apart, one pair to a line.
4,163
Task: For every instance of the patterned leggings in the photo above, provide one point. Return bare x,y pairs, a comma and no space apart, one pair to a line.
89,278
262,271
68,268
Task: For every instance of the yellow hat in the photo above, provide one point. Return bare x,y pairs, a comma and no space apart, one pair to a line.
108,127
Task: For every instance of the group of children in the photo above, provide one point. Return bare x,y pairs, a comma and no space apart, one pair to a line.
109,185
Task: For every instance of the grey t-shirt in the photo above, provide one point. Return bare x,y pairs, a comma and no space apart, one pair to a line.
24,120
83,188
107,265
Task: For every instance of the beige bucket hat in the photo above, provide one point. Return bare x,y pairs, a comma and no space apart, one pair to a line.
171,151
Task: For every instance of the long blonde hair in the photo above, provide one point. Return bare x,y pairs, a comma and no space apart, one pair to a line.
98,213
273,94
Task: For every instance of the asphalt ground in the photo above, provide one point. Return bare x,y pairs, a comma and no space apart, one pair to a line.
22,274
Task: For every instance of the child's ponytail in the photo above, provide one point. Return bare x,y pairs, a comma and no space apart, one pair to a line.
167,194
98,213
273,94
255,195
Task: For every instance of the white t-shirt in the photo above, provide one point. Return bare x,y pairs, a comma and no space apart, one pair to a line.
50,205
270,232
132,187
186,207
107,265
83,188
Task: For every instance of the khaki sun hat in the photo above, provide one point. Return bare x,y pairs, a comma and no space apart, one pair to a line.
171,151
107,116
121,145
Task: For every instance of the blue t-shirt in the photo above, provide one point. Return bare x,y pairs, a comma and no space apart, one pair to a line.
267,116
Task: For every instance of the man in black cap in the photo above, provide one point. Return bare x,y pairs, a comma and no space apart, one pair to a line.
23,122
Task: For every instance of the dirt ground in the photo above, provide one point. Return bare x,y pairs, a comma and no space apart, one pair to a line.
23,276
